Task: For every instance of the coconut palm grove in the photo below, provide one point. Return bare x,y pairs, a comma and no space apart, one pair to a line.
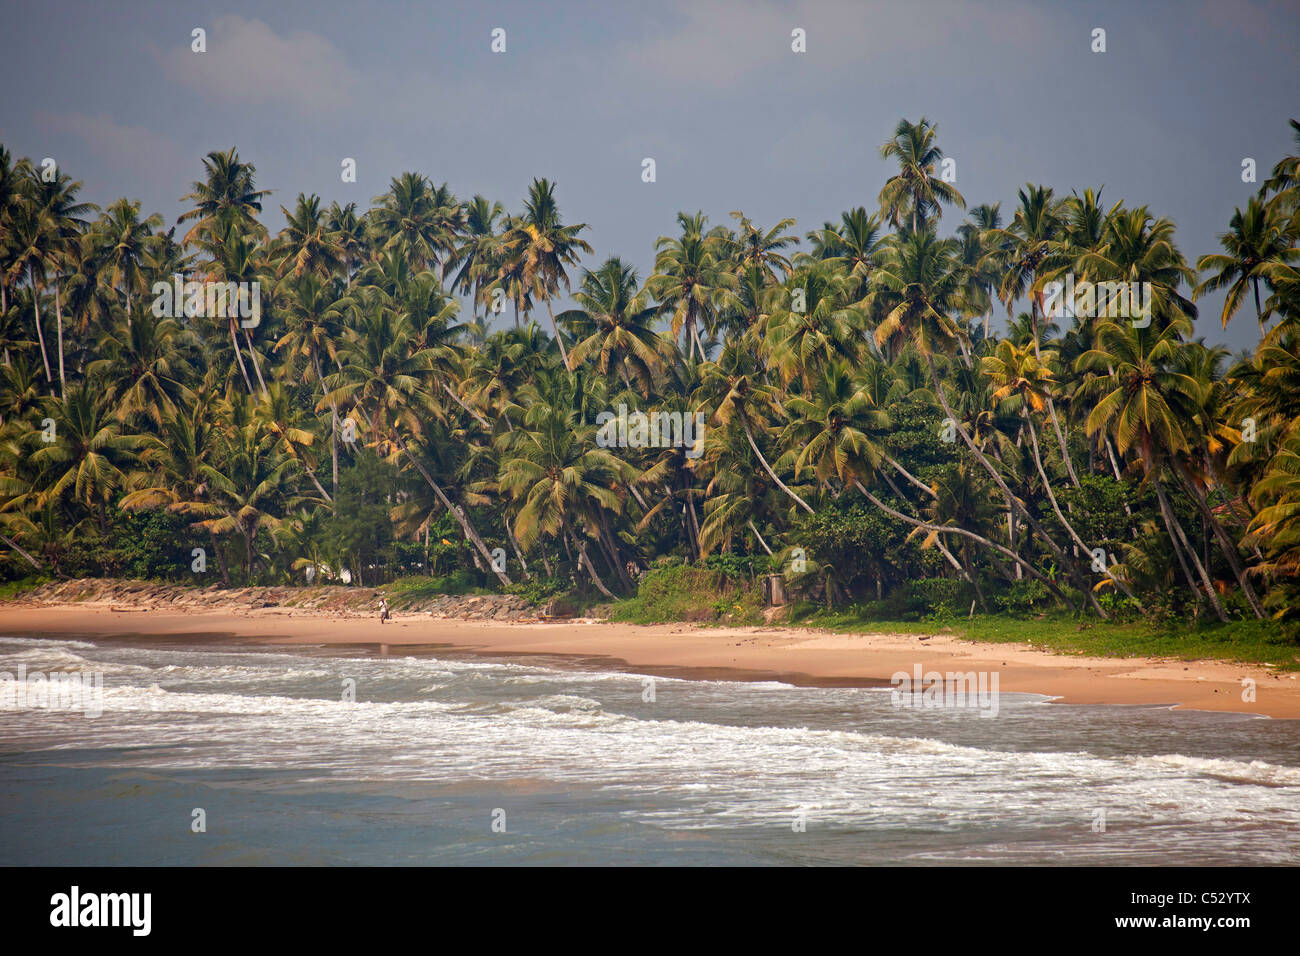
421,388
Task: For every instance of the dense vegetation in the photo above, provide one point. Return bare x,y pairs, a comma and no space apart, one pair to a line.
867,436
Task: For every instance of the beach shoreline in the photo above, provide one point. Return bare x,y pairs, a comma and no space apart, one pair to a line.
804,657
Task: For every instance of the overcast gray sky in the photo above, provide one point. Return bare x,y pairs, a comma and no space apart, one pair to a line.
709,88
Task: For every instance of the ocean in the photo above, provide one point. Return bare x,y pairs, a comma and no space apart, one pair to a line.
227,754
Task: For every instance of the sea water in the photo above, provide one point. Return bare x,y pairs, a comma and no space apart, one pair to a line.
216,754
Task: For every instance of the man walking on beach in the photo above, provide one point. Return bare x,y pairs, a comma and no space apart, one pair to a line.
383,610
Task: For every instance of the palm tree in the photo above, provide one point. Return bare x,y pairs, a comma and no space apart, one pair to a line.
755,248
314,319
226,198
144,368
915,190
412,218
1147,406
1256,241
307,243
382,375
692,281
478,256
1019,375
541,248
562,483
613,324
86,463
732,390
919,287
173,476
126,242
251,481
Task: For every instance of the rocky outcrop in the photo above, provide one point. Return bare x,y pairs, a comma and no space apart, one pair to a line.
327,599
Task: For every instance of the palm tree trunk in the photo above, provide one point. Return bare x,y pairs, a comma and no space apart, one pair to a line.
944,529
334,424
462,519
239,356
1056,508
585,561
9,542
1065,448
768,468
1226,545
58,313
481,420
257,366
910,477
1012,501
1178,536
762,543
514,543
221,559
692,538
564,353
40,334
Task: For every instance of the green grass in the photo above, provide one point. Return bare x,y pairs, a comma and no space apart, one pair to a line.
1258,642
412,590
701,595
13,589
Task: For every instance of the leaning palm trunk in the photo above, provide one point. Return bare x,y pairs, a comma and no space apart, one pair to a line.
257,366
334,425
1226,545
463,520
239,356
768,468
564,353
461,402
58,315
1056,508
1013,502
943,529
40,334
10,543
910,477
1060,438
762,543
585,561
514,543
1178,536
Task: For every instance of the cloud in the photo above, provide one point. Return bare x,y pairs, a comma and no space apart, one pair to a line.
121,147
247,63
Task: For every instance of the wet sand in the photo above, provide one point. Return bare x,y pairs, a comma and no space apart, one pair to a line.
798,656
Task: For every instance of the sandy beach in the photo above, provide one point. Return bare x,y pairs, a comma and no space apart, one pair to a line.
798,656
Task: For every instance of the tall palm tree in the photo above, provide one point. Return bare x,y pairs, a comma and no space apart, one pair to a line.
692,281
307,243
562,483
1255,241
384,377
541,248
1148,406
226,198
126,242
915,190
613,324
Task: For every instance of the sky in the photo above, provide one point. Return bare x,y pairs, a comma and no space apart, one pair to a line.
710,89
